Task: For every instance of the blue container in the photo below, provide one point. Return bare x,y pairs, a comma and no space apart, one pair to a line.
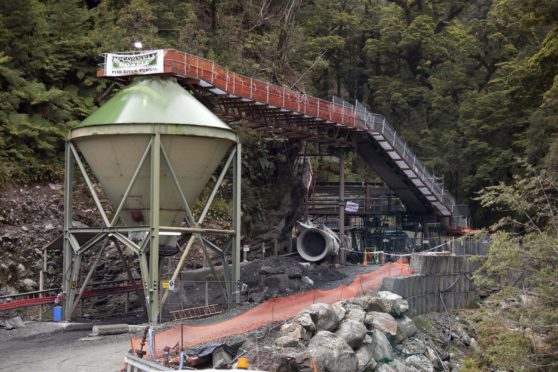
57,313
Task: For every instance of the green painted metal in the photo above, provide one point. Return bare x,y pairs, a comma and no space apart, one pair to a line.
153,303
154,100
114,159
162,128
237,171
68,251
113,139
186,143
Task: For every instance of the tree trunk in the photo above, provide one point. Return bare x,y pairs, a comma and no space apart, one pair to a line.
283,43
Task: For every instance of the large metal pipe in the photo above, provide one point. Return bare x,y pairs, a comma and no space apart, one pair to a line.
314,244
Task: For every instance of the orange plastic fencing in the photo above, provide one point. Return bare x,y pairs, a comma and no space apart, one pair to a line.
275,309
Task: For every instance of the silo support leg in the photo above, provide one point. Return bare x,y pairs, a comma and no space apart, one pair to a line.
153,304
68,203
144,270
237,172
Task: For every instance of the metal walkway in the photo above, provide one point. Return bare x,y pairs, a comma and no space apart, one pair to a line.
294,114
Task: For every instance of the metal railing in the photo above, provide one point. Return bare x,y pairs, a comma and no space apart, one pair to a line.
379,125
215,76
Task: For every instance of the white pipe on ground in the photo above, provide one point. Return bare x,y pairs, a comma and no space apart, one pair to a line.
314,244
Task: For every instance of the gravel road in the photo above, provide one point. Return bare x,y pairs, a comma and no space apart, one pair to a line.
60,351
43,347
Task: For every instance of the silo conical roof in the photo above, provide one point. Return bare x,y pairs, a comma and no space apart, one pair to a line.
149,101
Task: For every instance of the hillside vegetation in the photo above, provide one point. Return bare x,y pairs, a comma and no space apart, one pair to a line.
470,84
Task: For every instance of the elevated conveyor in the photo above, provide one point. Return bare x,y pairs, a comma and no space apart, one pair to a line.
276,109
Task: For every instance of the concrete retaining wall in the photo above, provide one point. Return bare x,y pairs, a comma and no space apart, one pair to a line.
438,280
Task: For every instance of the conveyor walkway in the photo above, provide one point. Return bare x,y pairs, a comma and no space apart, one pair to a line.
296,115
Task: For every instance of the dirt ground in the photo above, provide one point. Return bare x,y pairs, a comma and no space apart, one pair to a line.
40,347
32,350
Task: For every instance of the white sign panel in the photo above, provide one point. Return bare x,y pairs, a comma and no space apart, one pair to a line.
142,63
171,285
351,207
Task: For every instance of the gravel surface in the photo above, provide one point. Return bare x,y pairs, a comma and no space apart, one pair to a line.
62,351
43,347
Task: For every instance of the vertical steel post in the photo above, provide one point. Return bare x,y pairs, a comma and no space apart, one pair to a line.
206,293
68,251
237,172
342,206
42,281
153,304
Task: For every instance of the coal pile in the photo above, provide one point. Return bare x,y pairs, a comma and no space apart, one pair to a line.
283,275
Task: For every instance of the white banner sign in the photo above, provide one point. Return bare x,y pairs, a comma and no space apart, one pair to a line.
150,62
351,207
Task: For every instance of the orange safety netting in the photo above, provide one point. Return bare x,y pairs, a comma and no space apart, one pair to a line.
275,309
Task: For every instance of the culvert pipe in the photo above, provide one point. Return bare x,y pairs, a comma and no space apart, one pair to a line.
314,244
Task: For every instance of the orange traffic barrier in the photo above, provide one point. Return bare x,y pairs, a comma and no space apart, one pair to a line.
275,309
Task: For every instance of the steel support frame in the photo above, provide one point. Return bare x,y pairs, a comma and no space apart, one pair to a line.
342,248
148,250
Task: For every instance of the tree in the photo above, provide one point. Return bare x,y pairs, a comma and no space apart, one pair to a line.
522,264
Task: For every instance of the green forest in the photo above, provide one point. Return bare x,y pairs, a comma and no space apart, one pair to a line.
471,85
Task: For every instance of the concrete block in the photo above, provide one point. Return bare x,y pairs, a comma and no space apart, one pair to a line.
432,264
435,276
110,329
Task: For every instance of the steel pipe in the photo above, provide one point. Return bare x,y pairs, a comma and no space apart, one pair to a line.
315,244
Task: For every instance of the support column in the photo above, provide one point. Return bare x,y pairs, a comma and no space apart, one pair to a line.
237,172
342,206
42,281
153,303
68,251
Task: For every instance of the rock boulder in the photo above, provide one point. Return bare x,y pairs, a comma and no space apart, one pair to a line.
373,303
381,349
306,321
323,315
339,310
395,366
395,304
405,328
366,362
331,353
355,313
382,322
286,341
352,332
420,362
295,331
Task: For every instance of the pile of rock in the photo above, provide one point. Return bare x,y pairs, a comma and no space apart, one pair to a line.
278,276
367,333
